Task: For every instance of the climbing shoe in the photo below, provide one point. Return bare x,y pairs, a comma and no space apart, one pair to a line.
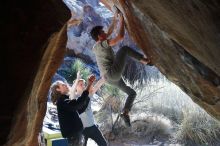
146,61
126,119
150,63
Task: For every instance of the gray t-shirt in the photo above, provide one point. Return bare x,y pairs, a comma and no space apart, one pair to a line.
104,56
87,117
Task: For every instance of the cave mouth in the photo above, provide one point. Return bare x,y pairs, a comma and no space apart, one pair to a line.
175,111
32,63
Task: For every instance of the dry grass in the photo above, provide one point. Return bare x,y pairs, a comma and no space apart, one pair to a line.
198,128
159,101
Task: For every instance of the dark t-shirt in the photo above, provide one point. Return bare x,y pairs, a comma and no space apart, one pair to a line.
70,123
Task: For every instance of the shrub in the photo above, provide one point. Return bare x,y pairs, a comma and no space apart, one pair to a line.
69,73
80,66
198,128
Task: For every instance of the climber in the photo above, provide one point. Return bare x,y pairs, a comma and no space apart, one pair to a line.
111,65
68,110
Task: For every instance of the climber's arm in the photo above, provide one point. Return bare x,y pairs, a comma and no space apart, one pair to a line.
120,35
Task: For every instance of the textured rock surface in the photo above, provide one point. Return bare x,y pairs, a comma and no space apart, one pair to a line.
32,112
25,31
184,41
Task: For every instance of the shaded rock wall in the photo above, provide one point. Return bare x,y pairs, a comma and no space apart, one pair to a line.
183,37
28,121
25,31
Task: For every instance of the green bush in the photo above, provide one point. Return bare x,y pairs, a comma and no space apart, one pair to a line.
80,66
70,73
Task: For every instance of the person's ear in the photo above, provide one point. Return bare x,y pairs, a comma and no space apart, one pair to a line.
99,37
58,89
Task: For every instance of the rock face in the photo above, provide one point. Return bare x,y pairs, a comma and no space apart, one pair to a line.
25,31
183,37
